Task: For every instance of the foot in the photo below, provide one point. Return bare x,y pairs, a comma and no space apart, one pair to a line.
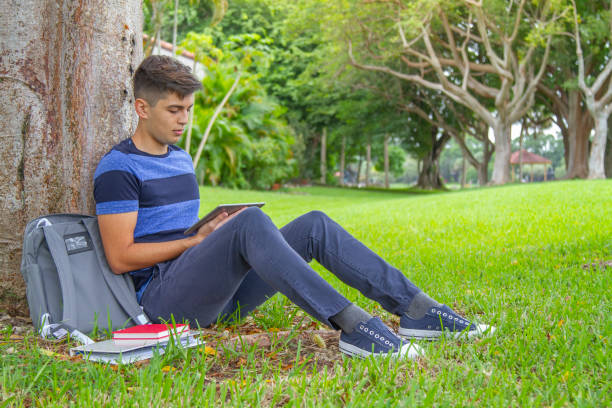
374,338
438,321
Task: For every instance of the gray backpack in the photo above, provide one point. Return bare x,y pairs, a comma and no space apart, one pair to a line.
69,284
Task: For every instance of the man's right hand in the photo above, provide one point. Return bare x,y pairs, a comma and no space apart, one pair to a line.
214,224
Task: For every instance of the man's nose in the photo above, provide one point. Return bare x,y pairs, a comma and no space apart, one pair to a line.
184,117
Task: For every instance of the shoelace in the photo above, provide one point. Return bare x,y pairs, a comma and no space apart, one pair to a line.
450,317
372,333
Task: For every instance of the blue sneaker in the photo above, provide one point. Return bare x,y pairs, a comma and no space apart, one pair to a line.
438,321
375,338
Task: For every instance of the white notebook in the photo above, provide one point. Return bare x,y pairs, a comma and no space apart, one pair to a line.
115,352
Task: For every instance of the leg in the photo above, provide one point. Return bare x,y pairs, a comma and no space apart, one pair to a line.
315,235
200,283
251,293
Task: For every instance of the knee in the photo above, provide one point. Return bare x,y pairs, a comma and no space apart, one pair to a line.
316,215
254,215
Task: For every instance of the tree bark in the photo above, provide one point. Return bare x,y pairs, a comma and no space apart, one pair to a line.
463,170
324,156
598,145
66,69
429,176
503,150
386,160
608,156
483,168
580,125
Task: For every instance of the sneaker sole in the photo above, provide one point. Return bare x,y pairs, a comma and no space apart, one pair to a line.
481,330
408,350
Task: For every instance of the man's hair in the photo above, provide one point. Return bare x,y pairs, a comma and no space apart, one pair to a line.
157,75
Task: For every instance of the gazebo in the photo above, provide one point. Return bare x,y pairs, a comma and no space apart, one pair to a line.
524,157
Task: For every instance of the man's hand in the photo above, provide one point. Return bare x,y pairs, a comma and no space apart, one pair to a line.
214,224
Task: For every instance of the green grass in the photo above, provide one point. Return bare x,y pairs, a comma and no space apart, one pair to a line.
510,256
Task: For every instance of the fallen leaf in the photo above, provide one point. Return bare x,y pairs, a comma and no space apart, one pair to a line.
49,353
318,340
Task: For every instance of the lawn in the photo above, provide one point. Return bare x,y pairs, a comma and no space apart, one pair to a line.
529,259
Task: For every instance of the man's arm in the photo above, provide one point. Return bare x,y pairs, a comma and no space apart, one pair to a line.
124,255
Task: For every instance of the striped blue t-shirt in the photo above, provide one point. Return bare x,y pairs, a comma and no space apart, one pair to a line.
162,188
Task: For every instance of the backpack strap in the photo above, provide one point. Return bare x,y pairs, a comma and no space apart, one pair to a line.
60,330
60,258
120,285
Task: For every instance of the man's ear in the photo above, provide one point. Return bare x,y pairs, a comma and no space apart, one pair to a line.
142,108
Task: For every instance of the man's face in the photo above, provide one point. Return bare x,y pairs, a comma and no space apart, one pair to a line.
167,119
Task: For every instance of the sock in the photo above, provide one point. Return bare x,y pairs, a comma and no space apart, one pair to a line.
350,317
419,306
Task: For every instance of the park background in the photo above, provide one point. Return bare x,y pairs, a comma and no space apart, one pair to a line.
386,115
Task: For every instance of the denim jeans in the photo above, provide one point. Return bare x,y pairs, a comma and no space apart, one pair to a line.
248,260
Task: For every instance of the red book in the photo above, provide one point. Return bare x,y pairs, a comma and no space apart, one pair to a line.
151,332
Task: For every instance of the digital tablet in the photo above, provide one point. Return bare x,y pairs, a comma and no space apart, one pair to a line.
228,208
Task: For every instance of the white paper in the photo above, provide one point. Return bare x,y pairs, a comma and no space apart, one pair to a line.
109,351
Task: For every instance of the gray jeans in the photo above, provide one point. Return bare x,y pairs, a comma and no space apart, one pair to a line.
248,260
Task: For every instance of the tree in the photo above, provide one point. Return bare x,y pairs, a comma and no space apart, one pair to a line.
476,52
70,102
249,143
597,93
560,91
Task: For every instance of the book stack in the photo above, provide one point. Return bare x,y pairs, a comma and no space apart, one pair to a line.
138,343
150,333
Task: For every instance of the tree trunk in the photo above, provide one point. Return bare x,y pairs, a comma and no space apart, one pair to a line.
579,126
191,116
463,170
174,26
66,69
503,150
368,163
608,156
324,156
483,170
598,146
342,159
386,160
429,176
359,169
520,178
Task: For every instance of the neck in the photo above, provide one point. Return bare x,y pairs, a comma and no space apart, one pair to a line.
147,143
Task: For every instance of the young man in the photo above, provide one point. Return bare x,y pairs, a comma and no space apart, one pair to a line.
146,196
